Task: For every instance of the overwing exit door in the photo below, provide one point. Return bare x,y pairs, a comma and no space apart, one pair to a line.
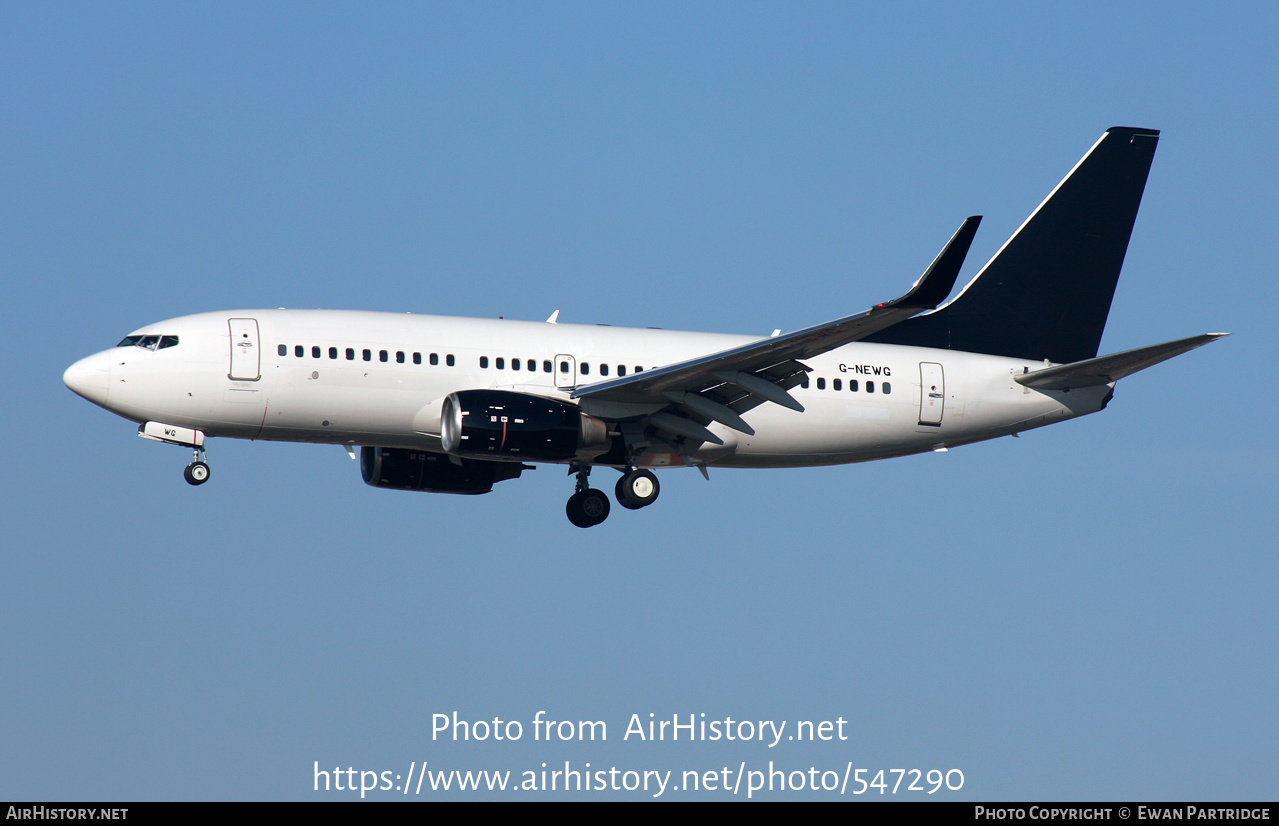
565,372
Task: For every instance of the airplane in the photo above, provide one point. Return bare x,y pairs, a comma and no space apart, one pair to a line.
456,405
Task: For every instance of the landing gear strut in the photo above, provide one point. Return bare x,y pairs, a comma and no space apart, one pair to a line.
587,507
197,473
637,489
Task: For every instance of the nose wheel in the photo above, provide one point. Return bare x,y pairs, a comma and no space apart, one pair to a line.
196,473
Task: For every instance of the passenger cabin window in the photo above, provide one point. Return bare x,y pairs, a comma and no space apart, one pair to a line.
501,363
283,349
315,352
449,359
836,384
368,355
532,366
333,352
886,388
484,362
852,385
399,356
417,358
870,387
546,367
515,364
586,369
621,369
821,384
603,369
435,359
299,351
350,354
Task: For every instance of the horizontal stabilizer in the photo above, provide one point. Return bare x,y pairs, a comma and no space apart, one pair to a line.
1112,368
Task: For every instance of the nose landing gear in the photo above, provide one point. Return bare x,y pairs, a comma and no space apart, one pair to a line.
197,473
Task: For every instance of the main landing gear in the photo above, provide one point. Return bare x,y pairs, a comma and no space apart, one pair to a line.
589,506
197,473
637,489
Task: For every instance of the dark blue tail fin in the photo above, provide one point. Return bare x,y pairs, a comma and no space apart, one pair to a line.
1047,292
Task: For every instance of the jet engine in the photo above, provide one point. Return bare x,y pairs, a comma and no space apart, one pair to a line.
501,423
400,469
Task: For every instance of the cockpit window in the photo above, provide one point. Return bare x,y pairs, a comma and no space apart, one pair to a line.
149,342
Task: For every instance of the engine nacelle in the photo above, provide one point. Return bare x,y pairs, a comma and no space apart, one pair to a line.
491,423
400,469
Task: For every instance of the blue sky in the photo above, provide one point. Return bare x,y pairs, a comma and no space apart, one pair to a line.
1086,612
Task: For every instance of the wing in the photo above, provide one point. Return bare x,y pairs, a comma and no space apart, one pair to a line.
721,386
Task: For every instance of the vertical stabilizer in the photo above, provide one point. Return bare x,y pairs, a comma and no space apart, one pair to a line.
1047,292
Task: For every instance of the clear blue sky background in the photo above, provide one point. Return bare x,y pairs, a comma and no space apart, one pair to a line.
1087,612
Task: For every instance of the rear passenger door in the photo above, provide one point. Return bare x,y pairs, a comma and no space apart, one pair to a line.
932,393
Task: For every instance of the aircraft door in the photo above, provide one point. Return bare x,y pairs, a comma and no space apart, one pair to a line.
245,358
932,393
565,372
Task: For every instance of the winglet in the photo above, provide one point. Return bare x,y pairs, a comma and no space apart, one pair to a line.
939,279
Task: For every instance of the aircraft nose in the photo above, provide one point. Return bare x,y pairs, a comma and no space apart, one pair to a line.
90,377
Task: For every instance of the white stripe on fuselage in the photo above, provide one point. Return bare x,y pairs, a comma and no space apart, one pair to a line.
344,401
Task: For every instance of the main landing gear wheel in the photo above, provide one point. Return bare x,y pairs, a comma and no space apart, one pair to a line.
196,473
587,508
637,489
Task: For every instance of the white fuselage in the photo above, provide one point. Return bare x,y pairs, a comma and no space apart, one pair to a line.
368,378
